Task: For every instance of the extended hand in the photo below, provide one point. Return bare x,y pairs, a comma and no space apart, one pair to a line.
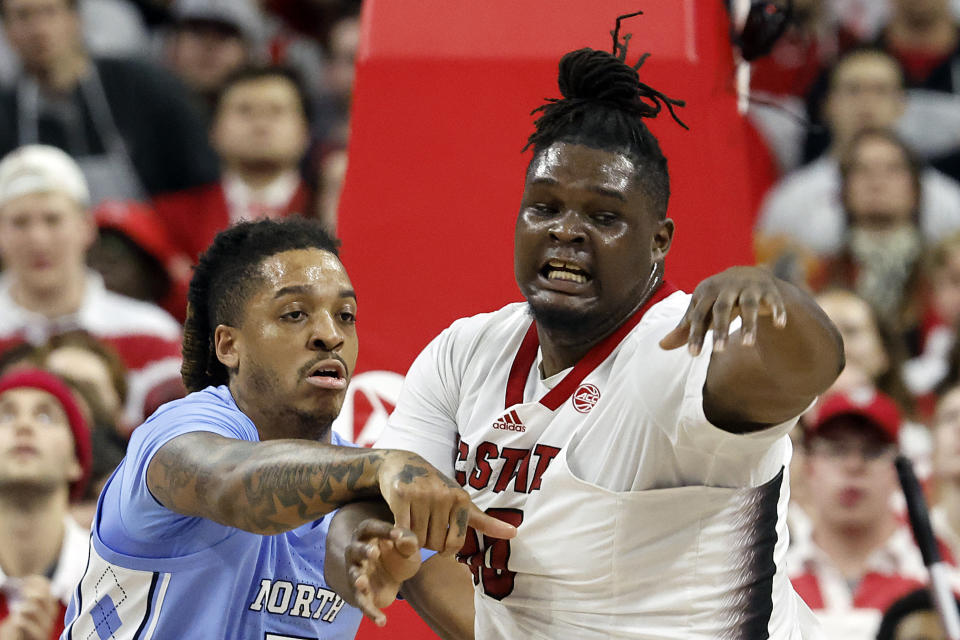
379,558
748,292
432,505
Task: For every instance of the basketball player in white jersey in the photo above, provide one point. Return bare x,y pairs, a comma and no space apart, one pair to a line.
648,482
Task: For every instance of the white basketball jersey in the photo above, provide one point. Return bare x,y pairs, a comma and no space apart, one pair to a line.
636,517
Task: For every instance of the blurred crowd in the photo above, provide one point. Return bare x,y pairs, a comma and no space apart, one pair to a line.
132,131
859,108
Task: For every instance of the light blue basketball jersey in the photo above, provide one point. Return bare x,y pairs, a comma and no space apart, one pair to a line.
153,573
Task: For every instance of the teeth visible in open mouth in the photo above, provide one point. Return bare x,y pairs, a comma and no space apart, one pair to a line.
566,275
560,270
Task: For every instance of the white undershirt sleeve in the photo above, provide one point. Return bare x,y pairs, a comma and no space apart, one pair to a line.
424,420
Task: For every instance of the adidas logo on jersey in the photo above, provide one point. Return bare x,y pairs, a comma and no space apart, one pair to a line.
510,422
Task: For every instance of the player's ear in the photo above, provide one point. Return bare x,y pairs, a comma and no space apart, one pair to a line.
662,238
226,342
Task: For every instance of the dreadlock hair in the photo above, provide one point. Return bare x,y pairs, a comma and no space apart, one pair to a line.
603,107
226,275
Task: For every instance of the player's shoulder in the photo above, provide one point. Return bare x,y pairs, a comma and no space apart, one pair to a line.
211,409
491,325
666,311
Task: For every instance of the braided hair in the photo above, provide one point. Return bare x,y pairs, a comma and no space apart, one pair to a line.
603,107
223,280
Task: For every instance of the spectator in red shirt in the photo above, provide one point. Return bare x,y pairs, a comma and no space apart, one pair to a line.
46,289
923,36
859,557
44,462
260,131
136,258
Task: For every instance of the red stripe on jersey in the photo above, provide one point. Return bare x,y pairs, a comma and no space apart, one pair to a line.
517,379
565,388
138,350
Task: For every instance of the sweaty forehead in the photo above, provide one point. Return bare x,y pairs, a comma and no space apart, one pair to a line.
570,164
302,267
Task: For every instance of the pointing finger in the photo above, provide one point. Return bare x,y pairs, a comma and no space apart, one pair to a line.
488,525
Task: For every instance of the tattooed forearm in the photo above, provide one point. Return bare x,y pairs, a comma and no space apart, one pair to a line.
410,471
264,488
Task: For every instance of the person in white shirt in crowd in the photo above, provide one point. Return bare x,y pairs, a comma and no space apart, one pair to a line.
46,288
261,132
880,256
859,557
866,90
45,460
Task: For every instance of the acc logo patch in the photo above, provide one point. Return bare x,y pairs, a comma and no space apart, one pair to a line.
585,398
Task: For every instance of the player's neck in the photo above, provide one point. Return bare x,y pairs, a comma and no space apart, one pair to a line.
850,548
274,425
53,302
563,347
31,532
558,356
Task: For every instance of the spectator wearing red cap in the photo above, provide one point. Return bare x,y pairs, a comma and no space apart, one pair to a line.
136,257
45,460
46,288
260,131
859,557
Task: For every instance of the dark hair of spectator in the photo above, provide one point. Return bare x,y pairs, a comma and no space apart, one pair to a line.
603,107
253,73
20,354
223,280
913,602
80,339
862,51
914,165
890,381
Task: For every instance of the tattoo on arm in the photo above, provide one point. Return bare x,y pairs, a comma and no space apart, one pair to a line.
410,472
265,488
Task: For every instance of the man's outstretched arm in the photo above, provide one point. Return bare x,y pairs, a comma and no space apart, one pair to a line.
271,487
785,353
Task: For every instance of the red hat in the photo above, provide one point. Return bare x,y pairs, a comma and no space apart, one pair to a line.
45,381
876,407
138,222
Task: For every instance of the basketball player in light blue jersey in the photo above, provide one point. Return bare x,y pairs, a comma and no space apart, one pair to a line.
215,523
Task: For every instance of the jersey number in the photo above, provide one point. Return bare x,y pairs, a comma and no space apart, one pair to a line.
487,559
